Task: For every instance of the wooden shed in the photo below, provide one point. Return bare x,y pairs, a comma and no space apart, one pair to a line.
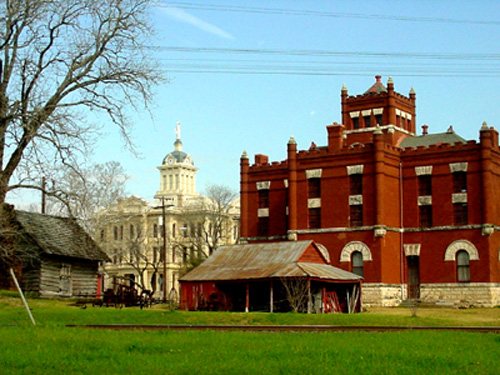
64,259
278,276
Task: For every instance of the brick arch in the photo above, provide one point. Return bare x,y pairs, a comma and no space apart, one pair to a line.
345,255
457,245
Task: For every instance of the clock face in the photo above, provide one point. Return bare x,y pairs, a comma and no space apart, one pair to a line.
170,161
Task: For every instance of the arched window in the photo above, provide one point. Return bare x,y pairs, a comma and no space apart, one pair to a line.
357,263
463,271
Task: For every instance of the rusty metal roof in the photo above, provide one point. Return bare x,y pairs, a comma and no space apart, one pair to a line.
265,260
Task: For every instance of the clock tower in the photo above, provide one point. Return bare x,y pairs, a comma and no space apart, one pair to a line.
177,175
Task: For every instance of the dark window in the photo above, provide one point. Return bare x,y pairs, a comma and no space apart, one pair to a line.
263,226
121,232
357,263
199,229
132,230
459,182
460,214
424,185
315,218
263,198
425,215
378,119
314,188
115,233
162,230
463,270
355,122
184,230
356,215
356,184
155,255
103,234
155,230
173,230
367,120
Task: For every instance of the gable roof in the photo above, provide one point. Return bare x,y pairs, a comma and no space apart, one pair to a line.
266,260
55,235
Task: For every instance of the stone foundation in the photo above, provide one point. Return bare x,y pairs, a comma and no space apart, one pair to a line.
461,294
450,294
382,294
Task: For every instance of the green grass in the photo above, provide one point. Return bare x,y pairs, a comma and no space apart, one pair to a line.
52,348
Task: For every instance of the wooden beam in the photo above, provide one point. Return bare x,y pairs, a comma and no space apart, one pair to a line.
309,297
247,298
271,297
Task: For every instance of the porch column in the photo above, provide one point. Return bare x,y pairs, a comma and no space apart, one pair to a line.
271,297
309,299
247,298
323,299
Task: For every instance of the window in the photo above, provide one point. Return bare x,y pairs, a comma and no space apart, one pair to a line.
155,254
155,230
184,230
367,120
263,198
132,231
459,182
263,226
314,188
356,184
460,214
115,233
378,119
121,232
425,216
424,185
173,230
356,215
463,271
357,263
355,122
103,234
315,218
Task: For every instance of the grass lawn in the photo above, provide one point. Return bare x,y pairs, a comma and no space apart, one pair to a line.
50,347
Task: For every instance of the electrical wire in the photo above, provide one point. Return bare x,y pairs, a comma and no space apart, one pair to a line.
317,13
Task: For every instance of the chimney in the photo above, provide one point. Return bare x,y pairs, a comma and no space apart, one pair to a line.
424,129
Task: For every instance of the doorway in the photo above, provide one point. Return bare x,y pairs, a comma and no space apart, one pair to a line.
413,264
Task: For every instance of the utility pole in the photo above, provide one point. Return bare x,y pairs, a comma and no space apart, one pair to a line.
164,232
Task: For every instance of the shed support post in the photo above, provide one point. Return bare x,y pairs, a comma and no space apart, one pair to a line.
323,299
309,297
271,297
247,298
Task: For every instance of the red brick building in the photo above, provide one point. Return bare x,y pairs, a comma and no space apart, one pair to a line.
416,215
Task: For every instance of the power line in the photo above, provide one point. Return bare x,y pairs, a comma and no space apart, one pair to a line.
329,53
316,13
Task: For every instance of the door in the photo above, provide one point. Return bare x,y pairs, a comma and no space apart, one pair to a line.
413,264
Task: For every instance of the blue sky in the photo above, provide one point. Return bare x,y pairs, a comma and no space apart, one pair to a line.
247,77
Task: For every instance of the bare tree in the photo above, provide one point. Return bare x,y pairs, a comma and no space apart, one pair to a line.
88,192
58,59
297,293
208,223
